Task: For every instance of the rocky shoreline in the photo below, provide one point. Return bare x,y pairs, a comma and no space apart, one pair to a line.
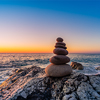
33,84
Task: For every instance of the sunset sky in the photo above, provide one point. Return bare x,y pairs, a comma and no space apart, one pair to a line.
32,26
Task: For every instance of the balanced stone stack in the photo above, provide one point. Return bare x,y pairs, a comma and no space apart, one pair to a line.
58,66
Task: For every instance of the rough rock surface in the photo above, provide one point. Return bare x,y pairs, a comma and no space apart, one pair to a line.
33,84
76,65
97,68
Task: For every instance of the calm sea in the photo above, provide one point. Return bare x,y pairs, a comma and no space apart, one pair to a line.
9,62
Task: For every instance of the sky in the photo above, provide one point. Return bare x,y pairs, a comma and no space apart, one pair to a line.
32,26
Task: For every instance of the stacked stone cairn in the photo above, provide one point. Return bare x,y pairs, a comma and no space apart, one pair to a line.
58,66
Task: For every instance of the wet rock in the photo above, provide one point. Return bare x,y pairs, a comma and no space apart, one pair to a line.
97,68
95,82
19,70
23,94
35,85
76,65
20,98
14,70
72,96
86,92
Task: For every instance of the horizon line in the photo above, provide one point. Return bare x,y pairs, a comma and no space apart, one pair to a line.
49,52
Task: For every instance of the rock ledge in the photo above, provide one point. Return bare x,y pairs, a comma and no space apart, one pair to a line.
33,84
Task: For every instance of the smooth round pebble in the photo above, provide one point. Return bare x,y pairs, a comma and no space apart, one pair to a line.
58,70
60,43
60,51
60,46
59,39
59,59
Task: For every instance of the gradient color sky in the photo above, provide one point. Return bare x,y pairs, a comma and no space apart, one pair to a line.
32,26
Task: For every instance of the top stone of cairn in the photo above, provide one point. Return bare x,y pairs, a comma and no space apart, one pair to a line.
59,39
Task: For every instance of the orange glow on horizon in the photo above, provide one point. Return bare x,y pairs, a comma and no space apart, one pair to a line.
42,50
25,50
82,50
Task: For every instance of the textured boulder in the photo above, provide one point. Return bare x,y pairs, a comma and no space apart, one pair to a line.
33,84
76,65
97,68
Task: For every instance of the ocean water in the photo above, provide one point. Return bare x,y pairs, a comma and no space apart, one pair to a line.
9,62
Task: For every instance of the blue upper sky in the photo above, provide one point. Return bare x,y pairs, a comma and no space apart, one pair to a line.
77,21
83,7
